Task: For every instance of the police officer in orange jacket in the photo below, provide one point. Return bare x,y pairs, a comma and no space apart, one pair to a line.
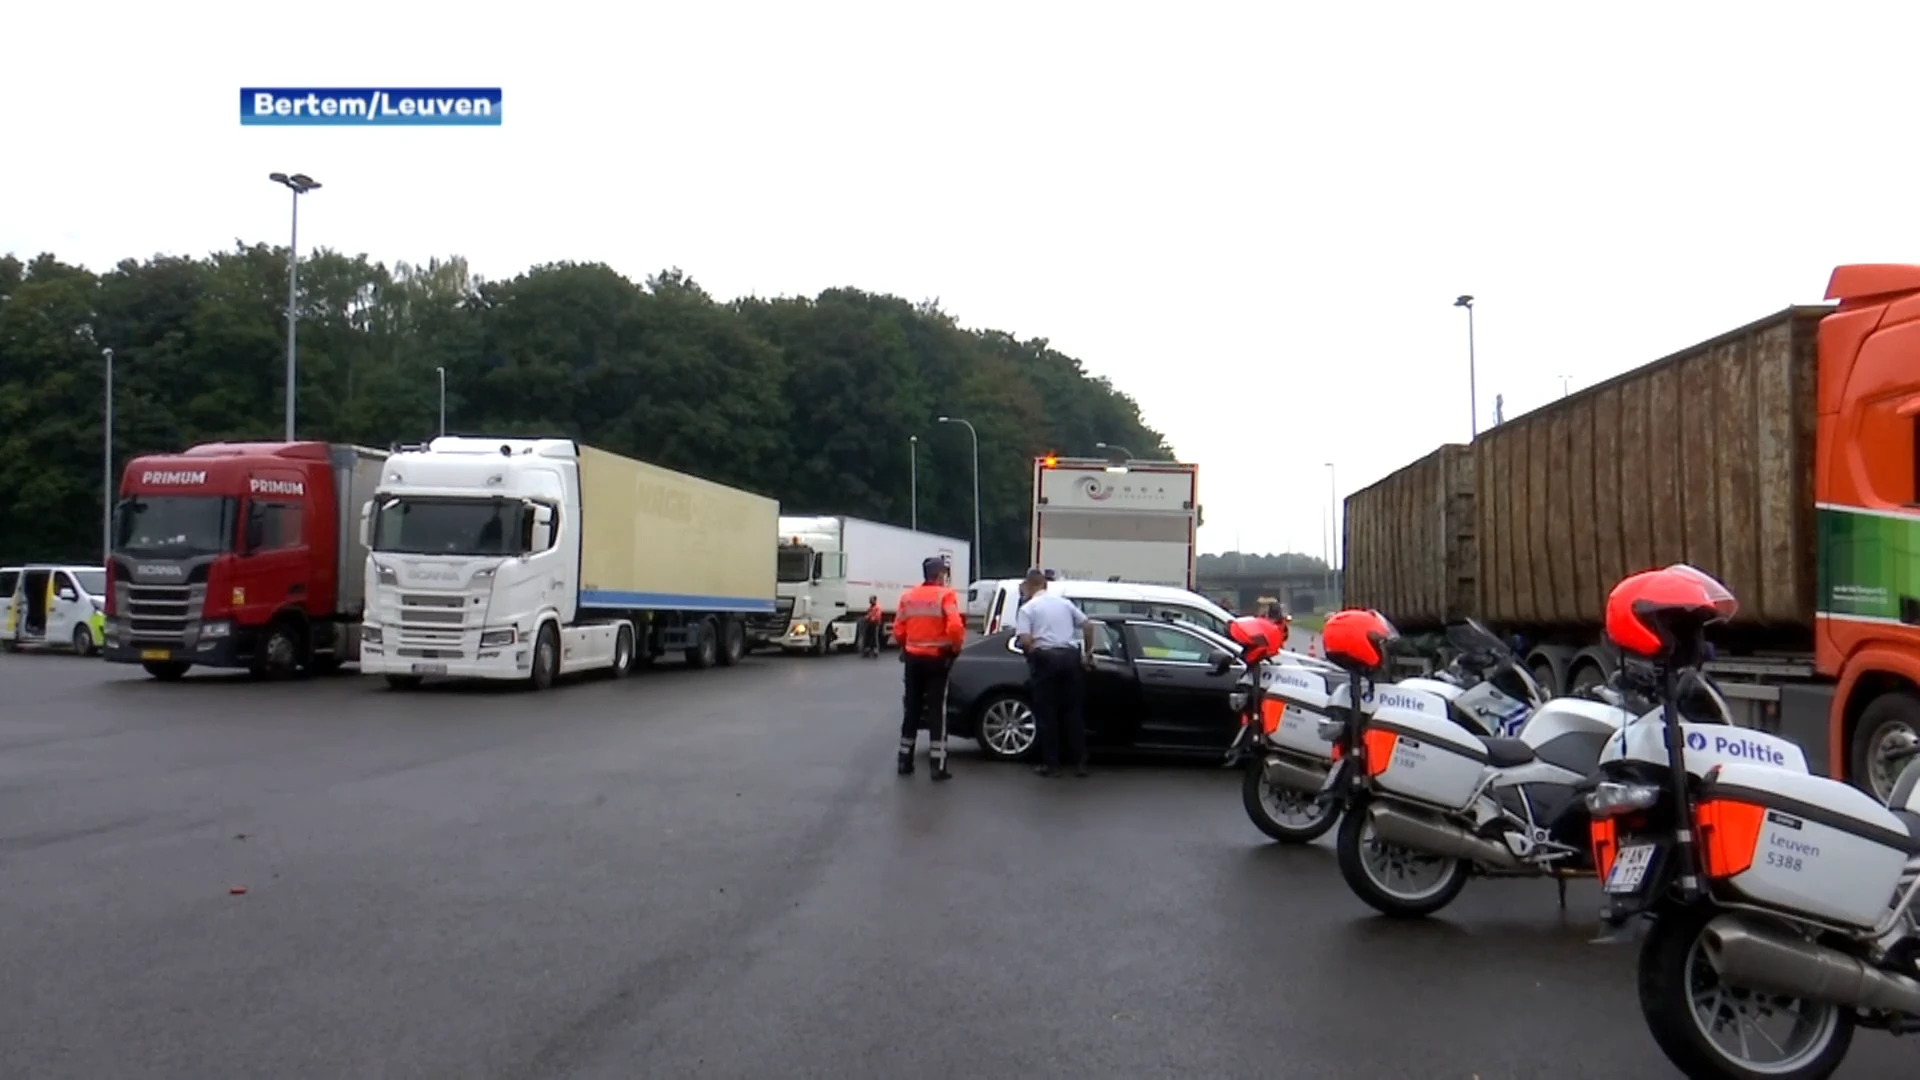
928,626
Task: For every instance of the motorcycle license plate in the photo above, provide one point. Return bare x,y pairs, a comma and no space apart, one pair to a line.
1630,868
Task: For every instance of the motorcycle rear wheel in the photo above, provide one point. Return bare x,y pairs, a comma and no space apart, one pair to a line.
1283,814
1367,865
1692,1017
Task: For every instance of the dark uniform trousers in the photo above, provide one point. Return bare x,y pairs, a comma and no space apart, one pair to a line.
925,706
1059,704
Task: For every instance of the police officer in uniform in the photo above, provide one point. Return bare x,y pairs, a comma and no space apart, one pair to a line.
930,631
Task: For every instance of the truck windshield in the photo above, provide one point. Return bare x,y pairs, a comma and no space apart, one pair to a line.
410,526
176,526
795,564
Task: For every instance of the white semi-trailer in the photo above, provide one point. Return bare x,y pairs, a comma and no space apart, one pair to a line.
1096,520
533,558
829,566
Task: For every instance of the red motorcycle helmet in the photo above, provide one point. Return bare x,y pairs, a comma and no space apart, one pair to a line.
1259,639
1651,613
1357,637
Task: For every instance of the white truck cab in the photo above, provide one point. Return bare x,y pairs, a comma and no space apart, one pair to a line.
54,605
828,567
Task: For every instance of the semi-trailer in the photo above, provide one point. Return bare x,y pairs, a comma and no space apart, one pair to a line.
528,559
830,565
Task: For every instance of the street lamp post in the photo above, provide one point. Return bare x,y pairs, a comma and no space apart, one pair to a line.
913,484
106,467
975,435
443,400
1473,392
299,184
1333,526
1116,453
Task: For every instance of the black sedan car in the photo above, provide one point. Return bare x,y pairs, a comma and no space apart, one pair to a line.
1152,687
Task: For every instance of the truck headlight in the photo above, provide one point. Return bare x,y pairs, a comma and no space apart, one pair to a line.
371,635
216,629
493,639
385,575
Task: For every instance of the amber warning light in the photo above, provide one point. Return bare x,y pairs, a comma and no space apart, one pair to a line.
1049,461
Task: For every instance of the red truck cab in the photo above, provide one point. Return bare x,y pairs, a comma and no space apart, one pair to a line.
239,555
1867,484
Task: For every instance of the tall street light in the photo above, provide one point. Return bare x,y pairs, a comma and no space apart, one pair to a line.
1473,392
299,184
106,468
443,400
976,488
1333,527
1121,454
913,488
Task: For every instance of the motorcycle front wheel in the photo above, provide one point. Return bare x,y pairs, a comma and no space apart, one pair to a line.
1285,815
1395,881
1716,1032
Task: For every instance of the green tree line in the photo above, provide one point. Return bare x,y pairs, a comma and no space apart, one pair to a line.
1237,563
810,401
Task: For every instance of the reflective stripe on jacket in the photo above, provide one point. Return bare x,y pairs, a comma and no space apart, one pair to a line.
928,622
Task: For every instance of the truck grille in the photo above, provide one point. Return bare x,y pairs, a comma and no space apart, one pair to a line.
162,612
433,626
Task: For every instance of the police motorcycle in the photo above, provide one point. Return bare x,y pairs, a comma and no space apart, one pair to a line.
1433,804
1484,688
1777,897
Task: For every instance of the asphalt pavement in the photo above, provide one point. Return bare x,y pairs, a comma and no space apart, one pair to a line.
711,874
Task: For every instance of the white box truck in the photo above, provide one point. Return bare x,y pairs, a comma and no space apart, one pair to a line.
829,566
529,559
1097,520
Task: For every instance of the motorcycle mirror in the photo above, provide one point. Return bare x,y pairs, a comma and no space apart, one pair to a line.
1221,662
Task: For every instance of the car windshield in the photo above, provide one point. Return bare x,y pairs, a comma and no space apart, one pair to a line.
94,581
418,526
177,526
795,564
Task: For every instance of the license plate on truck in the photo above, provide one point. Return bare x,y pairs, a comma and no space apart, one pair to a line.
1630,868
155,654
429,669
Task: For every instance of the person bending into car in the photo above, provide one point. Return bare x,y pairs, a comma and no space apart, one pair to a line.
1046,626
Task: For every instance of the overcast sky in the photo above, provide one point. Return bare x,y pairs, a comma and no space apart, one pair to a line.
1253,217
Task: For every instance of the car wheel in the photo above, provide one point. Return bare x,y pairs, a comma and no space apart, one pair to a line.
82,641
1006,728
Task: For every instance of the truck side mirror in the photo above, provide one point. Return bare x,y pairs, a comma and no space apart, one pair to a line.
366,524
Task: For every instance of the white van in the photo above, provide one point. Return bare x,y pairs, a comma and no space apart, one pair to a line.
9,578
1110,598
57,605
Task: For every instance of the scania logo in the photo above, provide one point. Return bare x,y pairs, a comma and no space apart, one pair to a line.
159,570
428,573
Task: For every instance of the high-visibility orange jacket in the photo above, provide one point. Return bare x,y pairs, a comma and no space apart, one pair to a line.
928,622
873,612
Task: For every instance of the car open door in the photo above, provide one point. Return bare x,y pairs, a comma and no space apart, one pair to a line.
1182,702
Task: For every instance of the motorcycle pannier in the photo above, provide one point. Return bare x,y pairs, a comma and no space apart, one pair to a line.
1801,843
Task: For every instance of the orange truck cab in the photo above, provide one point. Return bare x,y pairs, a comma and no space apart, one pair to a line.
1867,494
240,555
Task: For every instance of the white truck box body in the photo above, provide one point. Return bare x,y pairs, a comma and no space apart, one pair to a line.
1093,523
871,559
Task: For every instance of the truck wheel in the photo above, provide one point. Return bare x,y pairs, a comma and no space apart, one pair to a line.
546,658
733,639
706,646
166,670
403,682
280,651
820,640
1889,722
82,641
623,652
